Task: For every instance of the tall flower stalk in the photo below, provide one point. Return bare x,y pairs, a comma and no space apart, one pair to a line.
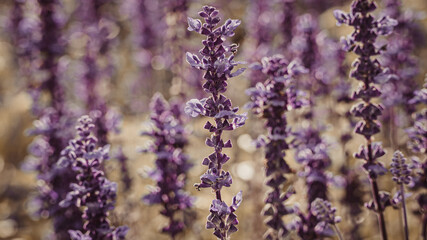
418,144
91,190
24,27
271,101
176,34
400,58
325,213
259,28
53,125
146,35
368,71
400,170
170,173
96,25
287,21
311,150
217,63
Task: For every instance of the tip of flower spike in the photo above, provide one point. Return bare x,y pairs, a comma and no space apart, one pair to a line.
158,103
84,126
194,24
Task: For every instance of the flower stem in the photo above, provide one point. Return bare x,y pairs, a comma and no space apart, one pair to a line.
338,232
405,218
378,207
375,192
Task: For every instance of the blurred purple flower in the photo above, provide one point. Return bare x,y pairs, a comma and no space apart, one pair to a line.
91,190
172,165
418,131
271,100
124,169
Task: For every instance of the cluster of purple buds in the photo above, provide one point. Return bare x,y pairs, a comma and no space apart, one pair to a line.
400,169
259,22
311,152
176,34
418,132
52,136
287,20
53,126
217,62
222,217
271,100
96,25
25,31
91,191
304,46
170,173
400,58
259,27
51,47
325,214
402,176
124,170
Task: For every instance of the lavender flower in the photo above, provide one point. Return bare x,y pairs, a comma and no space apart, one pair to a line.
325,213
126,179
417,133
400,169
217,62
259,28
53,126
91,191
401,175
271,100
418,144
176,40
287,22
147,28
172,164
311,153
52,46
52,133
25,31
97,46
367,70
259,22
304,46
403,64
353,198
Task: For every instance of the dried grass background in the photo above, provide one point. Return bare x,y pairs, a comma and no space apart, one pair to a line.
246,166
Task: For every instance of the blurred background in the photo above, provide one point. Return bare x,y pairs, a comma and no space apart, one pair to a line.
146,54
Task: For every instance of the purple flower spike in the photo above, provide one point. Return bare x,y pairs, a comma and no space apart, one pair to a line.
400,169
271,100
325,213
221,214
126,179
170,174
217,62
91,191
401,175
367,69
418,131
